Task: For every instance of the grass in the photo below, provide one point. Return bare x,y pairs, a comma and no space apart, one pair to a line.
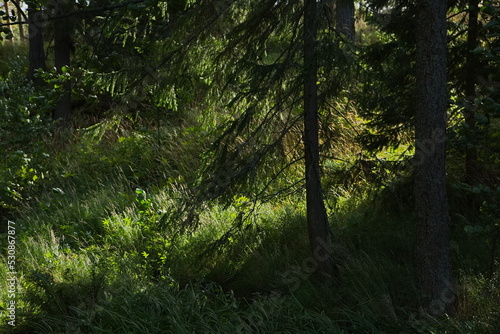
95,257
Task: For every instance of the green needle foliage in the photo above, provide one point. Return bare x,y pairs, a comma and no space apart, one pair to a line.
175,202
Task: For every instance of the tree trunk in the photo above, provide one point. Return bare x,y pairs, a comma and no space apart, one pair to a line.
471,67
21,26
36,51
433,257
317,220
7,13
21,16
344,18
62,50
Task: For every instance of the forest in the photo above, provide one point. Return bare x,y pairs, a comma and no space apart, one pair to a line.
249,166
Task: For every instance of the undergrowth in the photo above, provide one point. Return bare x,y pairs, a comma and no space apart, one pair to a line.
98,254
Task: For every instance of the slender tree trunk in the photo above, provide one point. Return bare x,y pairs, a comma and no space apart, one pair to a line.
36,51
471,67
7,13
317,220
433,256
21,26
21,16
344,18
62,54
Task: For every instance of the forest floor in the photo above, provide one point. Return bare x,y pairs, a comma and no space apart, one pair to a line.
94,253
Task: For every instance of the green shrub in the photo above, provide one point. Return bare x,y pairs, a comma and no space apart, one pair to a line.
25,127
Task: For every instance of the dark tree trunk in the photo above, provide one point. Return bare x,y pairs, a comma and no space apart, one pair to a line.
344,18
433,256
317,220
62,49
36,51
471,68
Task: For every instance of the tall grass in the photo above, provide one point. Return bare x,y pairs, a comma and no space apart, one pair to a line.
95,256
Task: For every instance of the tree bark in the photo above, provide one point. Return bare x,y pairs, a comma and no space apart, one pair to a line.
21,16
344,18
62,54
433,256
36,51
7,13
317,220
21,25
471,68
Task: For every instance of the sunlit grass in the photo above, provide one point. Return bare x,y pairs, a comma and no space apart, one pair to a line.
96,255
107,285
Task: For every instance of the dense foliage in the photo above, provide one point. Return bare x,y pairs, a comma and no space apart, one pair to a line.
172,198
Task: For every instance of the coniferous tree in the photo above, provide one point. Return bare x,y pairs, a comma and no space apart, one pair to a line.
317,219
36,48
433,253
471,70
344,14
63,44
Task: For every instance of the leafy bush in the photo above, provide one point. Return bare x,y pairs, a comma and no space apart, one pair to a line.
25,128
